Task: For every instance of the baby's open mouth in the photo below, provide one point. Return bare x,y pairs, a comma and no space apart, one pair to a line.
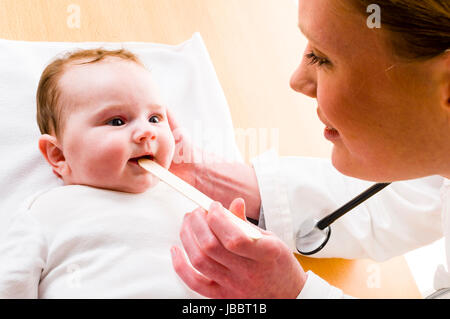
134,160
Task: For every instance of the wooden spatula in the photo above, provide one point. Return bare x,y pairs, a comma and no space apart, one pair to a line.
194,194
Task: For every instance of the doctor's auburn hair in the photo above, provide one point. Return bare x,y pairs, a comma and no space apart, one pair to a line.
418,29
49,111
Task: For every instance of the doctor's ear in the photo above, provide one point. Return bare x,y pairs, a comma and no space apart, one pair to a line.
49,147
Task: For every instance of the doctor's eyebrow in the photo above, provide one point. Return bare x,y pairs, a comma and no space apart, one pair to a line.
319,46
305,33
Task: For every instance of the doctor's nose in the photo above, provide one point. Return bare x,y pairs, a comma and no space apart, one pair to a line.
304,79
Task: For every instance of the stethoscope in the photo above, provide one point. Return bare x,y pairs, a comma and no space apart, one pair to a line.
314,234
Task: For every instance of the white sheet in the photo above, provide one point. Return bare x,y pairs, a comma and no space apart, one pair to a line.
183,72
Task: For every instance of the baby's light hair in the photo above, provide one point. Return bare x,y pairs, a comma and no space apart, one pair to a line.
49,112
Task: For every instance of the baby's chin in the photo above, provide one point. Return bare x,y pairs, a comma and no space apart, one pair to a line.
150,182
137,186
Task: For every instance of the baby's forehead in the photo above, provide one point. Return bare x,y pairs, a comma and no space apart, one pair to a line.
113,81
110,70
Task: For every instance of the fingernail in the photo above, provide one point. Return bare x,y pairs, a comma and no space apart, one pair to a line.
216,205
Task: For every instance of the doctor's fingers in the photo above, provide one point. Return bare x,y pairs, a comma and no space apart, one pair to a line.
201,261
179,133
266,248
211,246
171,118
192,278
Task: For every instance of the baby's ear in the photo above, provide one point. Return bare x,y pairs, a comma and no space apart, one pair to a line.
49,147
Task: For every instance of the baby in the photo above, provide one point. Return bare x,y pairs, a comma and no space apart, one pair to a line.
107,232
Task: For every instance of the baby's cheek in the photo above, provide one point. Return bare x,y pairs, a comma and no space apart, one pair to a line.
108,155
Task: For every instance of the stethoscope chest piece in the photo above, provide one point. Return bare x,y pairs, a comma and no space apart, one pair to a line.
310,238
313,235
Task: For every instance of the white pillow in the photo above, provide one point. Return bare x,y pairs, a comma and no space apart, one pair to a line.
183,72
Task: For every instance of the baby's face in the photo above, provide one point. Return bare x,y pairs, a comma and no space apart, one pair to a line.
114,116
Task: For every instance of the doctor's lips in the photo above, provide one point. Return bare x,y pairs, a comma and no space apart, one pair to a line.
331,133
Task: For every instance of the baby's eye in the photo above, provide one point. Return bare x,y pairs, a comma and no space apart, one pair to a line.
154,119
117,121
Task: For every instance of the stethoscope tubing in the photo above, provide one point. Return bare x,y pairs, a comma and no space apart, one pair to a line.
329,219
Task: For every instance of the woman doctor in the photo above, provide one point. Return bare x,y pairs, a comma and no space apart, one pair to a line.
384,96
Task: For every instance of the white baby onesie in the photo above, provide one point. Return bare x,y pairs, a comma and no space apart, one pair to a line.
84,242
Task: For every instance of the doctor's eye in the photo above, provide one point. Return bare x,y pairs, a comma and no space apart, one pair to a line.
154,119
313,59
117,121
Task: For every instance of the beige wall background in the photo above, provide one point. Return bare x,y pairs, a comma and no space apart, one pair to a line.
255,46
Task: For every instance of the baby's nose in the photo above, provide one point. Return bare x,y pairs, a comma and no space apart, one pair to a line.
142,135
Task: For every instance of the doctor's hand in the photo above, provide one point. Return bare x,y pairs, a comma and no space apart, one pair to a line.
186,155
228,264
189,160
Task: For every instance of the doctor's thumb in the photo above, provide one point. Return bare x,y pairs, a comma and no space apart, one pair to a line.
237,207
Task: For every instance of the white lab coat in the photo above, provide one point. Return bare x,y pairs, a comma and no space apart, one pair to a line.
404,216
